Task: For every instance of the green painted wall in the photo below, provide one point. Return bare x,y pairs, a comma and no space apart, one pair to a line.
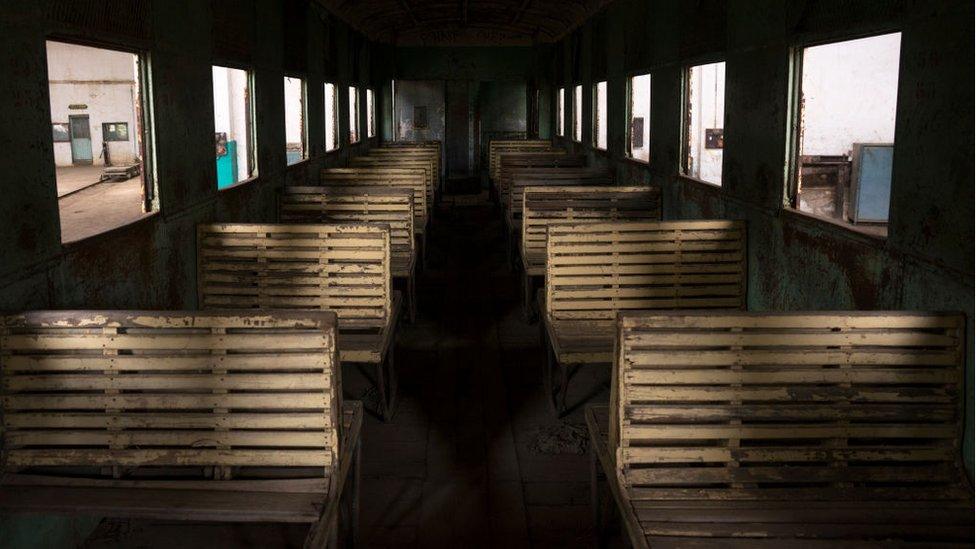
49,532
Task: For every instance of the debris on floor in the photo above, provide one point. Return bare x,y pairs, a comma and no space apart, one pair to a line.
561,439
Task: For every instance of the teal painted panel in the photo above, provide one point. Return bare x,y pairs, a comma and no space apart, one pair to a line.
871,176
227,166
81,151
45,531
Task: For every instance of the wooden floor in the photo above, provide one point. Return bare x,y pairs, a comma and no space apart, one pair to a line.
473,457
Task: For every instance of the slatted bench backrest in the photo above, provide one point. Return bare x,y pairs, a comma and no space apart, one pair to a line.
514,160
174,394
428,164
423,153
412,152
550,177
390,207
409,178
343,268
823,405
543,207
595,270
498,146
512,163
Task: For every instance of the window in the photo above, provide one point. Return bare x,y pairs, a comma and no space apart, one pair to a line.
295,137
60,132
600,116
331,118
844,130
353,115
704,135
639,114
394,123
101,135
370,114
578,114
115,131
233,126
560,112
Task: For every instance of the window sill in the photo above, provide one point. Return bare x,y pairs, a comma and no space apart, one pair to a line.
240,184
706,184
856,231
301,163
636,161
69,245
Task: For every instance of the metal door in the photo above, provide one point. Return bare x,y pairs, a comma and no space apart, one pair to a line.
81,146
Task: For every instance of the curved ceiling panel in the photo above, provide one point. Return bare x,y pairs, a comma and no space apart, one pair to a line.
464,22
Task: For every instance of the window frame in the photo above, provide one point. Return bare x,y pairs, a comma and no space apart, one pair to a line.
145,120
370,113
629,116
306,152
115,139
599,117
336,142
353,91
561,112
794,129
251,122
684,161
577,125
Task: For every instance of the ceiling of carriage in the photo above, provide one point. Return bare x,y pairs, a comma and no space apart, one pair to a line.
464,22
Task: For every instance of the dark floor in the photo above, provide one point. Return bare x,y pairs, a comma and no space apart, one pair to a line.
474,457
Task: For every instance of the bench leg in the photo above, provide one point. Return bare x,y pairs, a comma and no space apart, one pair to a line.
412,296
556,381
386,383
423,252
509,257
599,534
527,297
352,535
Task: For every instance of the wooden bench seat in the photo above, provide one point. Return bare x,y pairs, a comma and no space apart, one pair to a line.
498,146
373,177
543,207
426,163
514,161
819,429
596,270
388,207
173,415
343,268
416,151
514,195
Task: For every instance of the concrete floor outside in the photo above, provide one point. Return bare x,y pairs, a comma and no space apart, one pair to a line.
89,207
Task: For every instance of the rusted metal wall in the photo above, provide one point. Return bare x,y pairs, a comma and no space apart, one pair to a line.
797,262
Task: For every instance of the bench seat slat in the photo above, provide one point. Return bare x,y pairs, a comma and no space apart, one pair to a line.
279,457
188,420
148,363
167,504
168,401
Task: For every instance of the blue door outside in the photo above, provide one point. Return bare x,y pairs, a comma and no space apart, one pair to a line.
81,146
